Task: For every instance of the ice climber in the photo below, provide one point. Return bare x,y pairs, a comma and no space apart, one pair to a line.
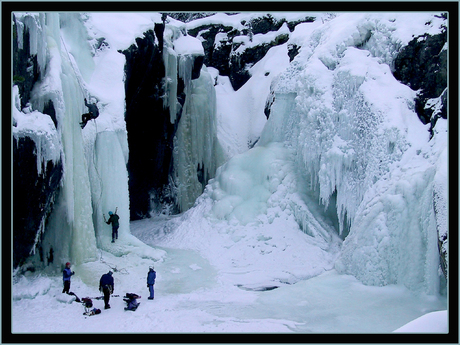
66,274
106,286
92,113
113,218
151,280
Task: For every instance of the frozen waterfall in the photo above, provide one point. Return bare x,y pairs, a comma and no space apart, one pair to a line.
343,152
196,153
360,146
311,199
94,159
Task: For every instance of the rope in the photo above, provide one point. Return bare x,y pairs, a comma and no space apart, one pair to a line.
86,94
71,64
95,167
113,268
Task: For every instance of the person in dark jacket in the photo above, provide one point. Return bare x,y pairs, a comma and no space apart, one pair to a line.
66,274
151,281
131,299
90,115
106,286
113,218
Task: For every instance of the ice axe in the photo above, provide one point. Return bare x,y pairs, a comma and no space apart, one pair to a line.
103,215
101,297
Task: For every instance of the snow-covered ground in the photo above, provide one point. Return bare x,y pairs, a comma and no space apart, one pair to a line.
193,296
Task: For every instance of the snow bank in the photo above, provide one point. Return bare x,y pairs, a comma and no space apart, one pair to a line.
120,30
252,224
435,322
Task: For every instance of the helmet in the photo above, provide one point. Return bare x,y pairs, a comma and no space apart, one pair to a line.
110,272
151,268
110,213
67,263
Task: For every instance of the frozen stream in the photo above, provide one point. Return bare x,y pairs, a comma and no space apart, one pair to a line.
329,303
192,296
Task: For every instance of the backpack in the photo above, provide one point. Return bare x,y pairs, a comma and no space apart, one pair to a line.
131,295
92,312
87,302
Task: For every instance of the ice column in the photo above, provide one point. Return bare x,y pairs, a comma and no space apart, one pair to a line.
195,145
196,153
170,82
70,228
109,184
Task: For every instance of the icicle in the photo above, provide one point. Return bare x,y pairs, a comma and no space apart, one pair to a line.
170,82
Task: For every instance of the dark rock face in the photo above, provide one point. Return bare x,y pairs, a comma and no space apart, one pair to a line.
293,51
150,132
188,16
25,66
33,196
33,193
422,65
240,63
197,64
223,54
217,57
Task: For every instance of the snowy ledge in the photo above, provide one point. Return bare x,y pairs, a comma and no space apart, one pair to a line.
435,322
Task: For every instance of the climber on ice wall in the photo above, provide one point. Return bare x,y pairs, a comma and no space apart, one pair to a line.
113,219
90,115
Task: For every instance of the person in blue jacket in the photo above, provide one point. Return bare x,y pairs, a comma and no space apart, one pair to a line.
106,286
66,274
151,281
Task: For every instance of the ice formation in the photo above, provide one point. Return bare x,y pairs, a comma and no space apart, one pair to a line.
90,186
343,153
197,153
360,145
75,67
344,176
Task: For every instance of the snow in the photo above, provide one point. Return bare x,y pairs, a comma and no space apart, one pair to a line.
240,114
258,252
121,29
40,128
434,322
193,296
188,45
